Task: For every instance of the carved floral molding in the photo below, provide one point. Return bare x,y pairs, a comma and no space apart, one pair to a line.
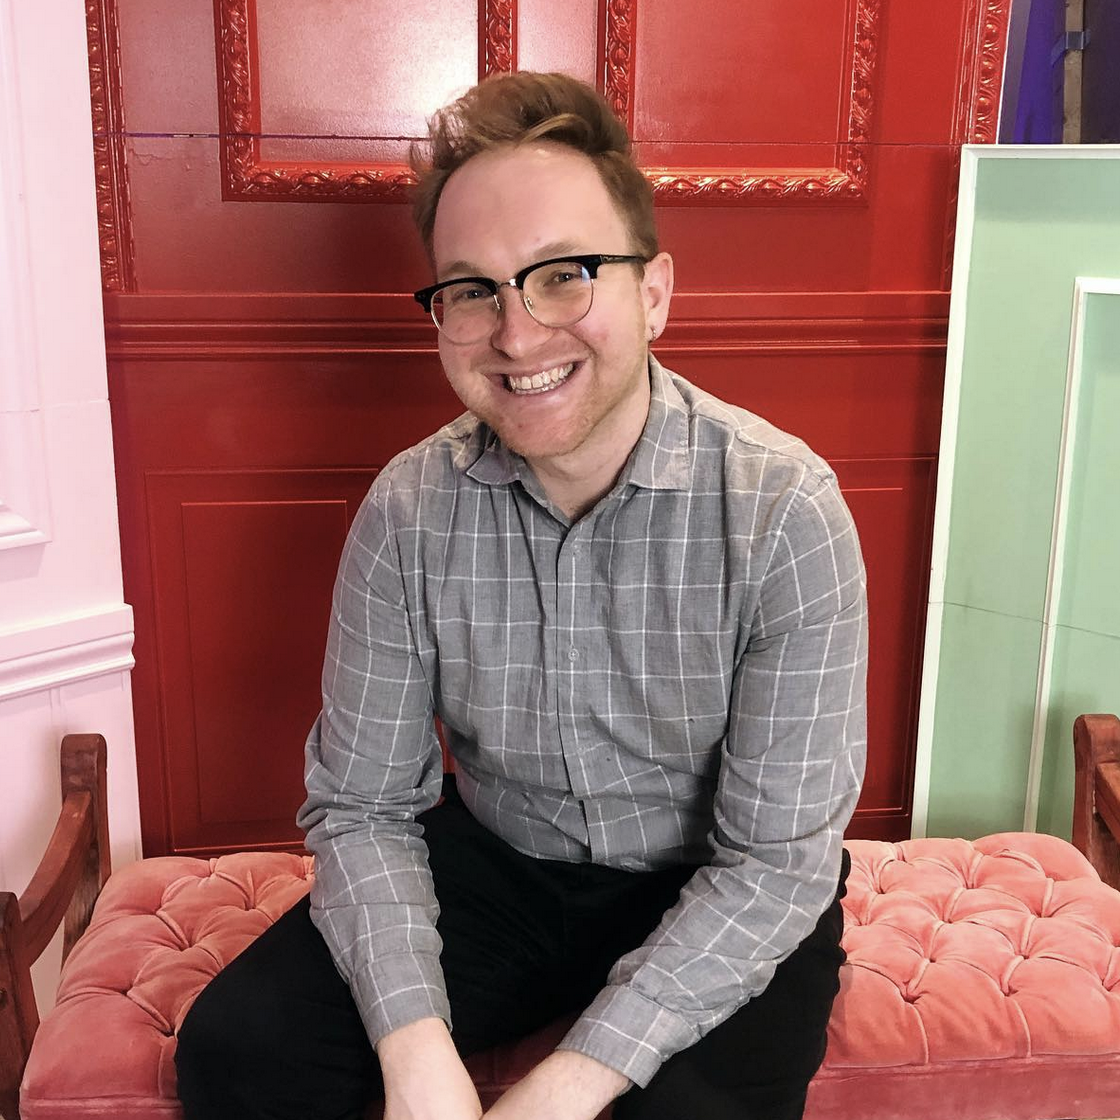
986,26
246,175
114,221
617,19
497,47
985,42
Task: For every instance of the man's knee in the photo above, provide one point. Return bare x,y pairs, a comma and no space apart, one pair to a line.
276,1034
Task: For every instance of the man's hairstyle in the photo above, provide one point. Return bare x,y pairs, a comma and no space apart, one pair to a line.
510,109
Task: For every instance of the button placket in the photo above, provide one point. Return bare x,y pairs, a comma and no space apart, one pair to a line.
571,688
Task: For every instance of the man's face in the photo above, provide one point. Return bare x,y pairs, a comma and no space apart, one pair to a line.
505,210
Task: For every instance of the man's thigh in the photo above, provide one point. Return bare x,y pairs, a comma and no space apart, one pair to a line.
276,1034
757,1064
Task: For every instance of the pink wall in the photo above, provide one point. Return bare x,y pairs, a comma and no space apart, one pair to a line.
65,631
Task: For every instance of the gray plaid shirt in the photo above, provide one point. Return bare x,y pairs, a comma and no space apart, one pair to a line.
678,677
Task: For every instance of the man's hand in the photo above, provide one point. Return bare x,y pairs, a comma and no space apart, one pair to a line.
424,1076
565,1086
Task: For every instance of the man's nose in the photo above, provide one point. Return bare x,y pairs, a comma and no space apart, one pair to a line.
516,332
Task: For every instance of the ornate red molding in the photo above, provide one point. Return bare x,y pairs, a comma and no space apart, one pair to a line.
114,213
498,41
847,181
616,22
246,175
981,77
980,85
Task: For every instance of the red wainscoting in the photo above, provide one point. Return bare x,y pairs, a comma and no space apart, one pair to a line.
265,357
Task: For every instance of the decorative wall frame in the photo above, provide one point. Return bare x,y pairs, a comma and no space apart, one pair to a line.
246,175
497,45
846,180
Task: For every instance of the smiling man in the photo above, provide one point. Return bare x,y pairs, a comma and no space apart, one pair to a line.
639,614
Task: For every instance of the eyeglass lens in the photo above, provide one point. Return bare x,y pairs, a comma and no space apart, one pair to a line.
556,295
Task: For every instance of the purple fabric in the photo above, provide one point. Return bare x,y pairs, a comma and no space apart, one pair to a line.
1038,114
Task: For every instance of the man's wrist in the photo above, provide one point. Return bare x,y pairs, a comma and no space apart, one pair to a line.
423,1075
596,1081
567,1085
409,1050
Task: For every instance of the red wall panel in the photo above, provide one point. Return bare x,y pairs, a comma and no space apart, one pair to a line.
243,578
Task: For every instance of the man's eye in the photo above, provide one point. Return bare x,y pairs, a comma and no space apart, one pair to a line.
563,274
466,293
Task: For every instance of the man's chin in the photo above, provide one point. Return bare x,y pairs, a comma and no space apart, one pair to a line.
537,444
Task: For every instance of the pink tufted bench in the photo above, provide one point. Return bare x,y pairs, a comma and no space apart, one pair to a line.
983,983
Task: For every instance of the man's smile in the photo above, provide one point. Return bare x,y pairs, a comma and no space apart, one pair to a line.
542,382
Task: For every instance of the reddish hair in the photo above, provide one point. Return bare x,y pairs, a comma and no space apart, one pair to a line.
510,109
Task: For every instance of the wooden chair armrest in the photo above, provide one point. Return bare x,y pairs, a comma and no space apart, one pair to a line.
64,887
1096,805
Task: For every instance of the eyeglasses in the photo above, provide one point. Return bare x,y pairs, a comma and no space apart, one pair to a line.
556,292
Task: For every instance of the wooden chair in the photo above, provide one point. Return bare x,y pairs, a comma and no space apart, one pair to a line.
1096,797
65,886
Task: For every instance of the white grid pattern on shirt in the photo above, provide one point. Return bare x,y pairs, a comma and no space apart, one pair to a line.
678,678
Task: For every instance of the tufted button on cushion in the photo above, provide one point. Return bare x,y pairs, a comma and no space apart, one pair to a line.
983,980
161,930
982,983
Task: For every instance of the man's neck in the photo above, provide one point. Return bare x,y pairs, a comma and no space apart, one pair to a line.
574,495
576,482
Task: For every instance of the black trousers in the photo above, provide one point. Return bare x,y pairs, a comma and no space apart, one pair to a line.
276,1034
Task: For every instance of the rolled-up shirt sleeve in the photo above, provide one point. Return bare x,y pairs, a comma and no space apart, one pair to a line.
789,778
373,764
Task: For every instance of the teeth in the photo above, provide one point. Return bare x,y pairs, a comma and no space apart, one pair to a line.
540,382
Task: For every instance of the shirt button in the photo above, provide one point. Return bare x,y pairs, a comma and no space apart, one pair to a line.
573,655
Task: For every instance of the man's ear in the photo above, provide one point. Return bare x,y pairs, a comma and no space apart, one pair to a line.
657,291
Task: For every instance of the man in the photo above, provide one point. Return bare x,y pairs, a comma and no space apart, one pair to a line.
639,614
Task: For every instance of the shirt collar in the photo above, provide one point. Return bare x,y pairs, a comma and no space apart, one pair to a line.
486,459
660,459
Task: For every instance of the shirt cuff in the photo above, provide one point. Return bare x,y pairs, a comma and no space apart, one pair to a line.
399,989
630,1033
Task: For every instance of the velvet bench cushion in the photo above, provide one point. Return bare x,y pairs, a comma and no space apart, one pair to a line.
983,981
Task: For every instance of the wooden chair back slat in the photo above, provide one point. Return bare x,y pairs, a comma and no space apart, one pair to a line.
1096,793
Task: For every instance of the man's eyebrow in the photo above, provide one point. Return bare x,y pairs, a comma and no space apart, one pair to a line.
468,268
556,249
459,268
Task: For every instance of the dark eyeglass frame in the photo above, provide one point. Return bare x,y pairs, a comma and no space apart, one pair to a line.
591,262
